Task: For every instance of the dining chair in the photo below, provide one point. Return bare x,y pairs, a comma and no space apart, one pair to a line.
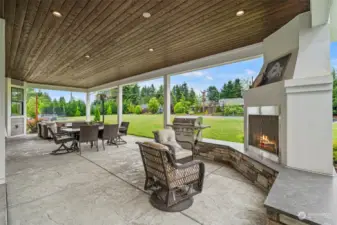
110,134
123,131
88,134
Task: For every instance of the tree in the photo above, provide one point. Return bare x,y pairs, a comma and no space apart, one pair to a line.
78,112
213,94
109,110
97,117
179,108
153,105
192,98
237,89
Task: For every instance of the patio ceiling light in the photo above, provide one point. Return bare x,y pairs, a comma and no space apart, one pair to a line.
57,14
151,49
240,13
146,15
87,56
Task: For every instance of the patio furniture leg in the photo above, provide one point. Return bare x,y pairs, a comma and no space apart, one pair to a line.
79,148
62,147
103,144
96,142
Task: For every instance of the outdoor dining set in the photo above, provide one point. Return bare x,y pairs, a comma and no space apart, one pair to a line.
171,171
83,132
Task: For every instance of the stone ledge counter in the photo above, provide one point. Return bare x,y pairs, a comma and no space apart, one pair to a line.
294,197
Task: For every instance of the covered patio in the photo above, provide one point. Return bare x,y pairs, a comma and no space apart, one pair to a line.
285,178
107,187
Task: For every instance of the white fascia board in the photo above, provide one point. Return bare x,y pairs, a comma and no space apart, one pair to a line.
54,87
240,54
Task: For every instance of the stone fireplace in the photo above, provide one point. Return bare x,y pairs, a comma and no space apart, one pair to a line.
288,110
264,132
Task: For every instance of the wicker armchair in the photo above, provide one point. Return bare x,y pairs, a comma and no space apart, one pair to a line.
167,137
60,139
173,184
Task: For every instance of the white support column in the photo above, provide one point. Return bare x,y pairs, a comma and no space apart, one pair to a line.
25,108
120,105
8,106
88,107
167,100
2,102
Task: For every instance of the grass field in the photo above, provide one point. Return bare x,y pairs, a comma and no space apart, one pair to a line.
228,129
222,128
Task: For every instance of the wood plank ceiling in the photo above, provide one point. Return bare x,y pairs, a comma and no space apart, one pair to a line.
116,38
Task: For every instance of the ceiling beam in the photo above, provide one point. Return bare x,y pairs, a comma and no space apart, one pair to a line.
236,55
55,87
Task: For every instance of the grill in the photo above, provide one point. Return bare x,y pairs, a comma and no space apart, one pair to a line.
188,128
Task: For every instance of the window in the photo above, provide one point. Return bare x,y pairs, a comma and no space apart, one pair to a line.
17,101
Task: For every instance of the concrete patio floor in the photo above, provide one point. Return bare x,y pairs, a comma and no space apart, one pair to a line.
106,187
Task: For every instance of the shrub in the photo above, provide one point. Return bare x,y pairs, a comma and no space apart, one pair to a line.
32,125
131,108
153,105
138,109
233,110
179,108
218,109
97,117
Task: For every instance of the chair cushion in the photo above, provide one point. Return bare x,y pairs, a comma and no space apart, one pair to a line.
168,136
156,145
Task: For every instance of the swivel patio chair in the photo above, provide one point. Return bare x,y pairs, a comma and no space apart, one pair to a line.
167,137
109,134
173,184
61,139
88,134
123,131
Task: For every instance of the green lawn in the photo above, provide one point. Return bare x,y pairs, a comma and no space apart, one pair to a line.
228,129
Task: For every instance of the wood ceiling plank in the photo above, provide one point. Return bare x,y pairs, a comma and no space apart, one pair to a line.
118,37
103,53
216,30
177,35
28,23
69,19
10,7
119,24
43,33
21,8
181,51
41,16
119,9
82,21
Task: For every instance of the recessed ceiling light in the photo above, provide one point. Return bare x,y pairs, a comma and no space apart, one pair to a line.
87,56
151,49
240,13
146,15
57,14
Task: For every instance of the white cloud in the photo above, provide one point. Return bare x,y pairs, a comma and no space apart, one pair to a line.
250,72
156,82
209,77
194,74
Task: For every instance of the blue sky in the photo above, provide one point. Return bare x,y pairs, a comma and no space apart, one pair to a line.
202,79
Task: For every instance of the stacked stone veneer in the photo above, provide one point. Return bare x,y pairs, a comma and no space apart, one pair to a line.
260,174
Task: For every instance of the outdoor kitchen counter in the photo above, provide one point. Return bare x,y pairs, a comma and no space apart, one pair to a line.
296,193
312,197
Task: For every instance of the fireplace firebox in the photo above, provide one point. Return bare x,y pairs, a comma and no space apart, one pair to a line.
264,132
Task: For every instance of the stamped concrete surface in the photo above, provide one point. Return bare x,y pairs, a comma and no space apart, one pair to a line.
106,187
